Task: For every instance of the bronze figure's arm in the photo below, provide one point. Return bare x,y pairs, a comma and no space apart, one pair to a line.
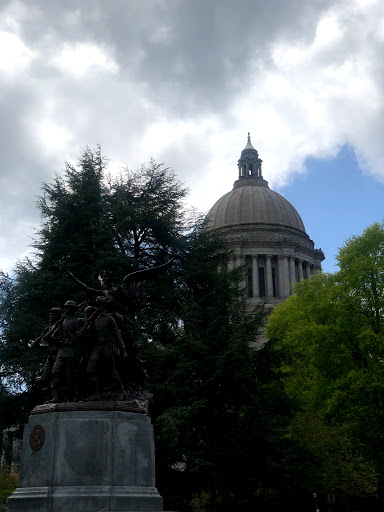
80,283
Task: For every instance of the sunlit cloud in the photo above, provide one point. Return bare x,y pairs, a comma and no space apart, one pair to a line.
52,137
82,58
150,79
15,56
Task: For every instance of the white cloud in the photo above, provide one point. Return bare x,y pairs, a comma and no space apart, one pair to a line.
52,137
318,96
328,31
82,58
15,56
157,79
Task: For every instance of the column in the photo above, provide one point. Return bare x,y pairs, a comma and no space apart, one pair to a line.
286,276
300,264
240,260
308,269
255,276
268,277
292,270
280,276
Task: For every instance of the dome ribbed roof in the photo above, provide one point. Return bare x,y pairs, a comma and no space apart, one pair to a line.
252,202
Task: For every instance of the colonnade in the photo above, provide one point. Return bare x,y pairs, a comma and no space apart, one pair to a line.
270,275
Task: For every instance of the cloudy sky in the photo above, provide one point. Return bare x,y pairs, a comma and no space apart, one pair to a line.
183,81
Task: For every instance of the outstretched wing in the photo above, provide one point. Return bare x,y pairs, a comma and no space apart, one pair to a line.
135,281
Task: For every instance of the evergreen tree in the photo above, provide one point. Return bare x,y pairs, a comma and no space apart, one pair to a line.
85,216
219,411
147,215
73,233
76,229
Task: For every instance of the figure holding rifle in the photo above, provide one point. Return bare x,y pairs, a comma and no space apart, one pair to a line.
69,356
46,339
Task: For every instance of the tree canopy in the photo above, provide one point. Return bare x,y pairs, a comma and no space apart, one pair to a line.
217,408
90,221
236,428
331,334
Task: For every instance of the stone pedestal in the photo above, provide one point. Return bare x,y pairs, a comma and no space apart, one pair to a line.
87,460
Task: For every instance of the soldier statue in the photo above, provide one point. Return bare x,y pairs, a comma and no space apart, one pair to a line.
69,357
46,339
107,345
120,303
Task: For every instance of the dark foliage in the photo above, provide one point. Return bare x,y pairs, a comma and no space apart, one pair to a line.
219,408
220,412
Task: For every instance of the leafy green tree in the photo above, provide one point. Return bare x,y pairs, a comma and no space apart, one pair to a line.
361,261
331,334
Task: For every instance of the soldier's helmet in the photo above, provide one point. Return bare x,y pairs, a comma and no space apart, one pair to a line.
55,314
101,300
70,303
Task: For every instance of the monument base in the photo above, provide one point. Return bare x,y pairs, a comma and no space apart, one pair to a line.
76,458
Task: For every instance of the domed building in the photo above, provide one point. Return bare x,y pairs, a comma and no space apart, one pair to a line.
265,232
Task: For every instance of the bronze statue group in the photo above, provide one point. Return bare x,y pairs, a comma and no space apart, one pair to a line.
87,356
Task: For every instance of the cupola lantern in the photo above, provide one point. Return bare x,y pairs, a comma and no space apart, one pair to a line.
249,163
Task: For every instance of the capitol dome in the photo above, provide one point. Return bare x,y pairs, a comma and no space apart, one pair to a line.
265,232
253,202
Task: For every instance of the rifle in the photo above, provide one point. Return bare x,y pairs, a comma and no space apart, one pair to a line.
36,341
48,332
86,324
59,322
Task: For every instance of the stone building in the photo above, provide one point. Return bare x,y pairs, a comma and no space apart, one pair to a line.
265,232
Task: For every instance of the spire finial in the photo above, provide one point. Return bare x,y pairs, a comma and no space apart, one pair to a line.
249,143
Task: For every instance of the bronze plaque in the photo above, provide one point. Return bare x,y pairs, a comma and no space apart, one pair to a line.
37,437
